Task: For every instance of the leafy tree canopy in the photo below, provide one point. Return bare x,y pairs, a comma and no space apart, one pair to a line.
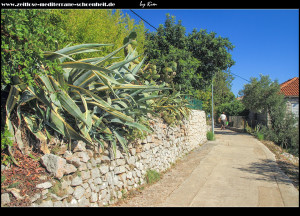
222,85
262,95
233,108
198,56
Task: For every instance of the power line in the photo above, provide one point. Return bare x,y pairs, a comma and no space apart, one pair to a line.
240,77
143,19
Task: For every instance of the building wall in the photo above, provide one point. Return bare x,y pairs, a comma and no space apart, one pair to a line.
293,105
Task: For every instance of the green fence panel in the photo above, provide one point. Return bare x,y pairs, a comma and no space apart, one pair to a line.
194,103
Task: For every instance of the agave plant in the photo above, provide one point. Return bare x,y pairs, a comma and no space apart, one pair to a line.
92,100
173,107
172,104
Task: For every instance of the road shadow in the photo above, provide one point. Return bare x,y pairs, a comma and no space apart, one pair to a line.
227,132
267,170
291,170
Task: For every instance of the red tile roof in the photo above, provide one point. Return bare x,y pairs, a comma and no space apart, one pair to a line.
290,87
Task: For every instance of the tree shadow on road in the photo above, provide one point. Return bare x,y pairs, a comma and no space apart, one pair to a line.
291,170
227,132
268,170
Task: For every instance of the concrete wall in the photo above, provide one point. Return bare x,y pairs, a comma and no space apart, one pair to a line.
237,121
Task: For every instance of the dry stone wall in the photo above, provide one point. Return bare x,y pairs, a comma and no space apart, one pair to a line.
96,177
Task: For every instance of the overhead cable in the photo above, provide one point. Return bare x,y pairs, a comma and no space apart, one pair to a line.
143,19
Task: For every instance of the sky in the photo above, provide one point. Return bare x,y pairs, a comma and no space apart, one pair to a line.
266,40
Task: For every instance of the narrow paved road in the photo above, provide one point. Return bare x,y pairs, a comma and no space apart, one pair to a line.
236,170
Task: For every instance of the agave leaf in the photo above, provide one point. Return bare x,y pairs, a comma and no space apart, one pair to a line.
107,83
73,74
149,98
31,123
25,97
33,127
103,104
62,58
120,64
61,80
110,55
11,101
40,95
117,120
112,111
98,123
78,48
68,103
59,124
125,86
122,103
73,50
85,128
136,92
51,90
81,65
86,66
95,60
53,55
46,81
85,79
129,77
137,68
114,146
138,126
122,141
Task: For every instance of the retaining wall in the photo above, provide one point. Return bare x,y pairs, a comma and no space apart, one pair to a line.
86,177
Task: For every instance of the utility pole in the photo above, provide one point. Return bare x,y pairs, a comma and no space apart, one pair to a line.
212,106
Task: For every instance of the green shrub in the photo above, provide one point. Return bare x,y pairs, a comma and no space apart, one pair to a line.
25,34
152,176
294,142
287,139
6,138
248,128
210,135
5,143
260,135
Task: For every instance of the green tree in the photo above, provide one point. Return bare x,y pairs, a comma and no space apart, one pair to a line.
169,44
198,56
222,88
213,54
233,108
264,95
